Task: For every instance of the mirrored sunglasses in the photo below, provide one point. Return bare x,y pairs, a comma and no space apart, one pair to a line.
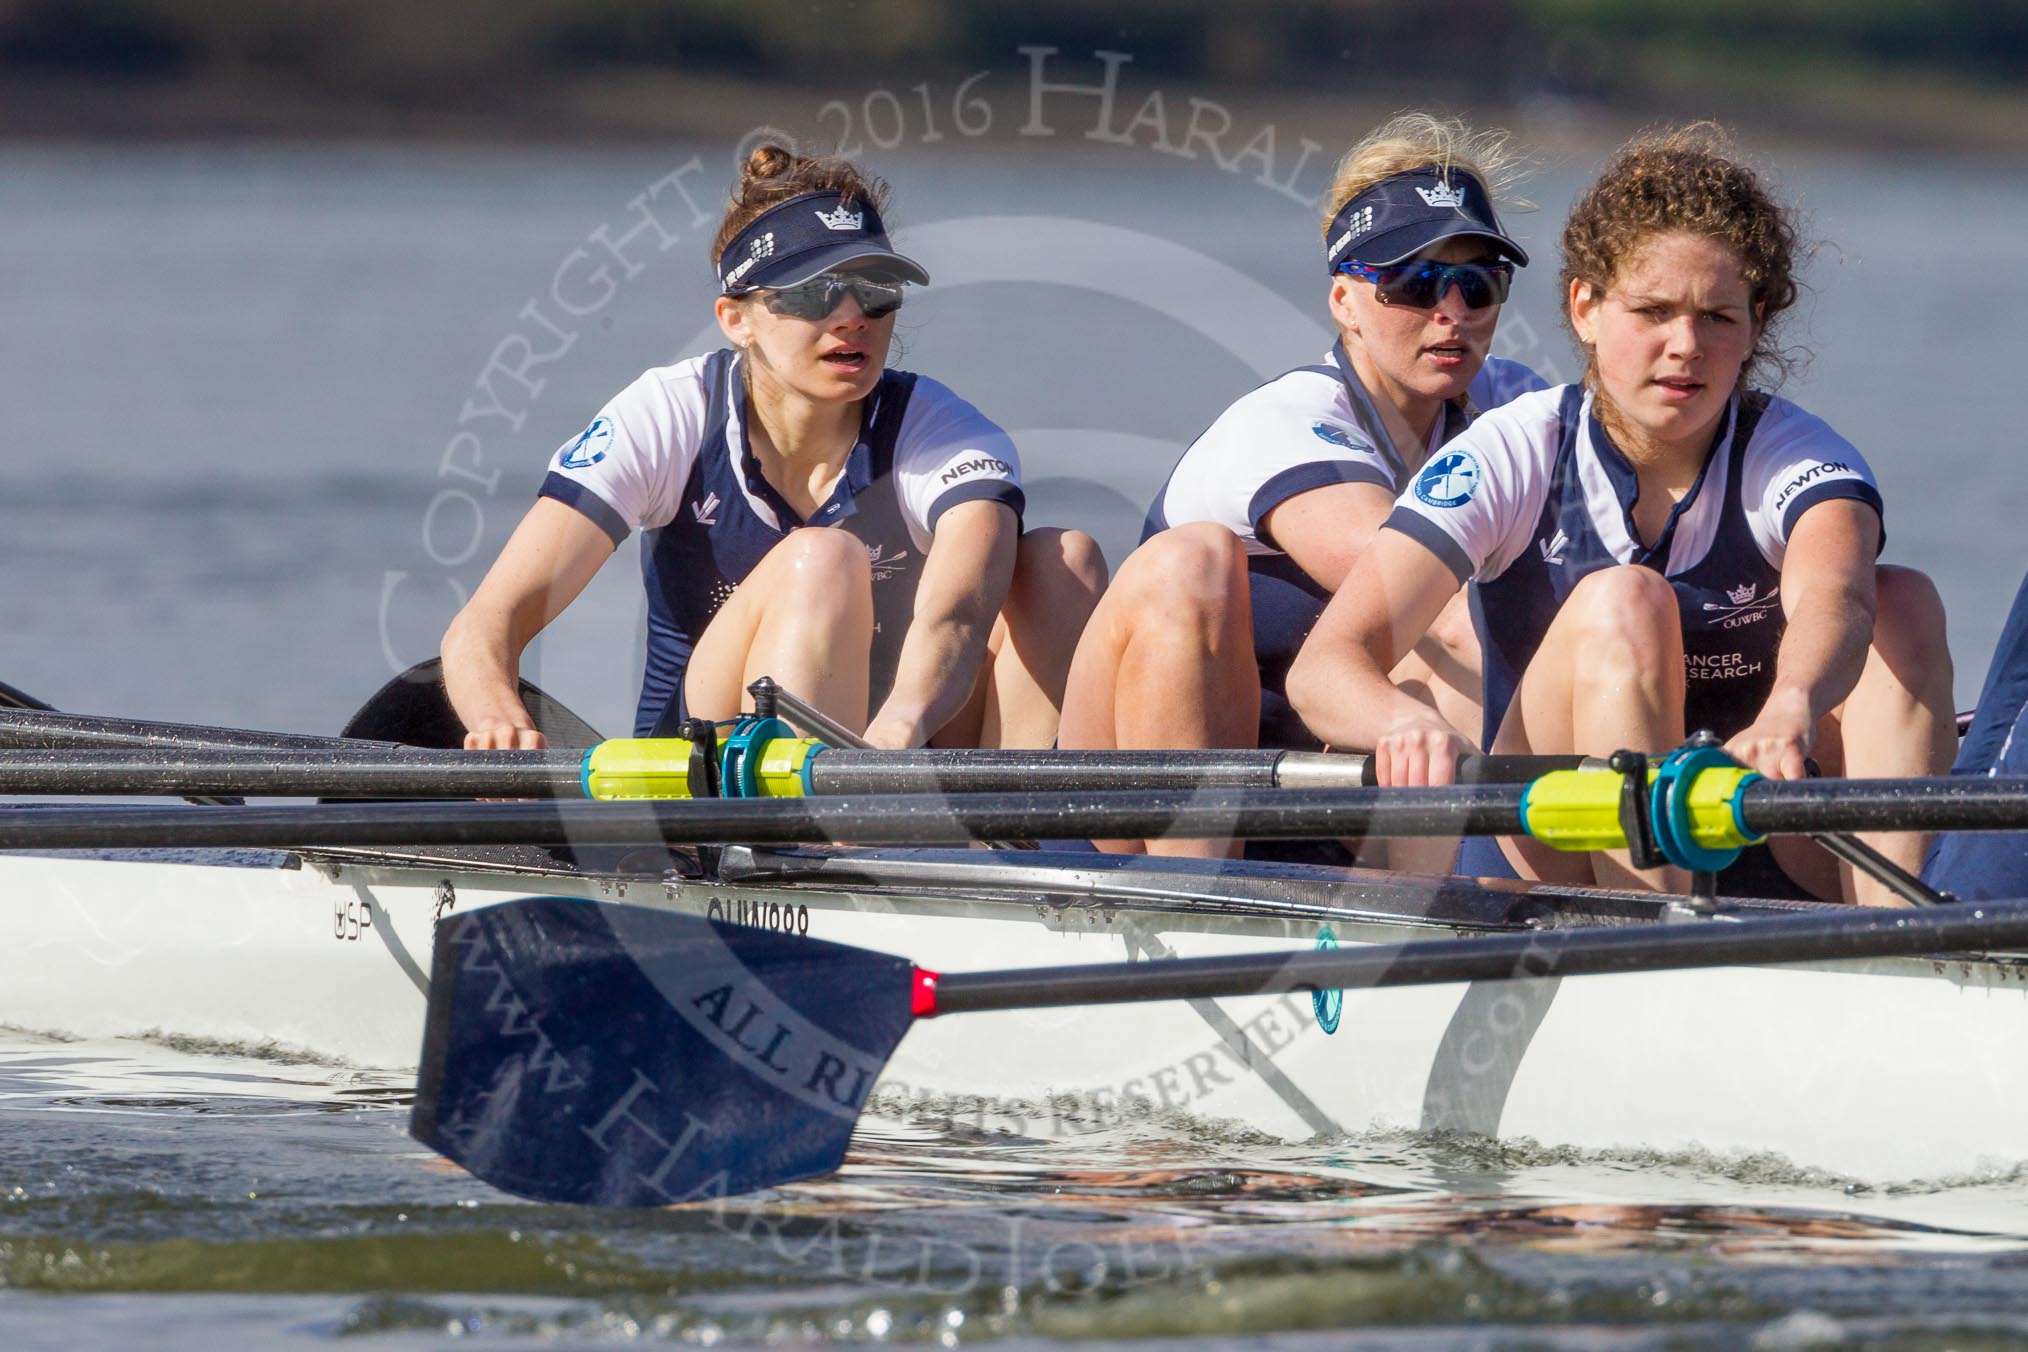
815,299
1423,282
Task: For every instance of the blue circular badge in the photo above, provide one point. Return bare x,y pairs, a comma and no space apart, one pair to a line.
590,446
1448,480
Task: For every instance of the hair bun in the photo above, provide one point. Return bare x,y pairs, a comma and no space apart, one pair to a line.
774,174
767,162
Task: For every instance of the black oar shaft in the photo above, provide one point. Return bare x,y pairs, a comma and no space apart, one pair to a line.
920,819
349,773
1939,803
932,769
12,697
1549,953
931,819
48,730
345,769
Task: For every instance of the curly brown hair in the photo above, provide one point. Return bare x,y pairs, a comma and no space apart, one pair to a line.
1691,180
773,175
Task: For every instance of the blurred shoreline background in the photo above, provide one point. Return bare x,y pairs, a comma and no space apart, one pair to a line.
1874,73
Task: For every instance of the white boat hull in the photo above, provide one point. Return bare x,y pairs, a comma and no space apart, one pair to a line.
1882,1070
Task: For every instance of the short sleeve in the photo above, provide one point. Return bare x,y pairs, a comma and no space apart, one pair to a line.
626,470
1475,502
1289,436
948,452
1794,462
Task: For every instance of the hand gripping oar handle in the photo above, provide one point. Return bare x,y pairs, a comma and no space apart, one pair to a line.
1476,769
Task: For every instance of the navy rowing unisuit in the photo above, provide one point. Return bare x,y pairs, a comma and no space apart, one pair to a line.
670,456
1535,497
1308,428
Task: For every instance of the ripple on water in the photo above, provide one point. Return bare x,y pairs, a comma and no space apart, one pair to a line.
175,1195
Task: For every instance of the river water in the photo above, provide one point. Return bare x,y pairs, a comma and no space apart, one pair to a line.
271,408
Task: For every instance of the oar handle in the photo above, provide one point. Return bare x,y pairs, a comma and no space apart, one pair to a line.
1473,769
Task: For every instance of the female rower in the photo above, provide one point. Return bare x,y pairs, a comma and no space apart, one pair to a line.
1266,511
852,531
1660,548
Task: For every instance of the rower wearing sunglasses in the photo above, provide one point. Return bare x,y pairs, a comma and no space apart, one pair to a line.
1266,510
852,531
1663,547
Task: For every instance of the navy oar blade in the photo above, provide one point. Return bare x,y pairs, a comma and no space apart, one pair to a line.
620,1055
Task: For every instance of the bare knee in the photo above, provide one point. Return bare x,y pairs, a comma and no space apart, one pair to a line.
1627,626
1054,561
827,559
1194,571
1909,631
1908,614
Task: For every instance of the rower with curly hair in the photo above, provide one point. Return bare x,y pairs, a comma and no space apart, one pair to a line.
1664,547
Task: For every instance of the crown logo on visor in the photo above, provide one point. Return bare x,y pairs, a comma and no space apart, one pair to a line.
841,219
1442,195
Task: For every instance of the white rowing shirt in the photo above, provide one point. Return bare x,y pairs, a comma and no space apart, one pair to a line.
1307,428
1535,497
669,455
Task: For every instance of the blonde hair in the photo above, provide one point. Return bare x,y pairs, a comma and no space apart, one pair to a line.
1412,140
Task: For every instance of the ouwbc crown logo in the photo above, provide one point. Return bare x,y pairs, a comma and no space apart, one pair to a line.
841,219
590,446
1442,195
1449,480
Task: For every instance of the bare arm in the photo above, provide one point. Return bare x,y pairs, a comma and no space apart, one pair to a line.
1827,597
1325,530
964,582
552,554
1338,683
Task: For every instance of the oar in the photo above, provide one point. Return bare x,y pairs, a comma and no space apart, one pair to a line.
1954,803
617,1055
12,697
411,711
29,730
349,769
41,715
